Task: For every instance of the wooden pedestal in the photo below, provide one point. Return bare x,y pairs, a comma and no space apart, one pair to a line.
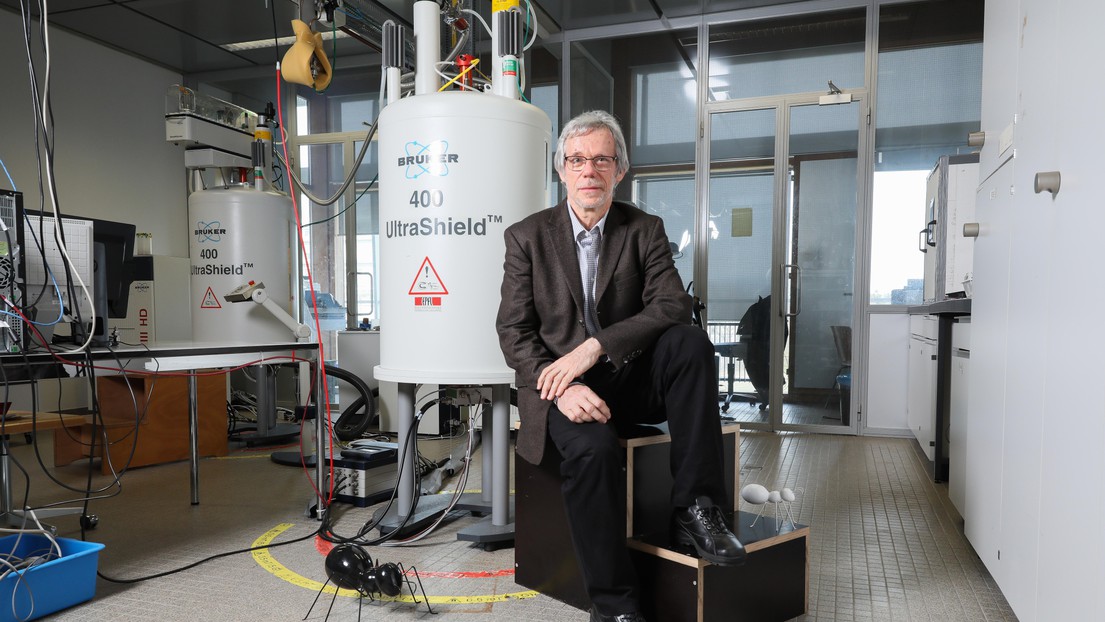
162,424
771,586
676,586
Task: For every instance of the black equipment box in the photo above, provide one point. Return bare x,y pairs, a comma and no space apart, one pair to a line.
365,475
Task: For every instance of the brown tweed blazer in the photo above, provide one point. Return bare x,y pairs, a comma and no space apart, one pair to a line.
638,291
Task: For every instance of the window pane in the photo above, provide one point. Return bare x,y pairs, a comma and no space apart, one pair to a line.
929,100
592,84
324,246
654,77
368,240
665,114
672,198
787,55
897,268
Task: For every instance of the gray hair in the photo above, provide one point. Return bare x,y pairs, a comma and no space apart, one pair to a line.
586,123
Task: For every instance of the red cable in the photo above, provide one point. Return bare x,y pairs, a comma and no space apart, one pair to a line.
325,397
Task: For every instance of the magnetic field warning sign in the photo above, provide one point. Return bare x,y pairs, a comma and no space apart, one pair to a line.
427,287
210,300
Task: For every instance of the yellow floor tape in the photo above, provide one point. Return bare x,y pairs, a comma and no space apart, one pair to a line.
268,562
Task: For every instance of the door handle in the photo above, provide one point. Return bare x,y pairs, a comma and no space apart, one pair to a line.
796,299
921,240
1047,181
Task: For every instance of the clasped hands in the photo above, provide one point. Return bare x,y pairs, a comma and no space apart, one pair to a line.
577,401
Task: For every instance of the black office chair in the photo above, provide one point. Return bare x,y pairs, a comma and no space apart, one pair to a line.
755,330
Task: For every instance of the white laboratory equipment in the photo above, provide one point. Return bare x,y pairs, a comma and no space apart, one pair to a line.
949,204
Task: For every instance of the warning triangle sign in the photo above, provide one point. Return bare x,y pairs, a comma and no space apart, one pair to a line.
210,300
427,281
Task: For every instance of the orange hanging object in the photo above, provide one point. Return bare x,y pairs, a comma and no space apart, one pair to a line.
305,62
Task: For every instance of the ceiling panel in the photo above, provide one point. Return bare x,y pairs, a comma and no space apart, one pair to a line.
219,21
148,39
572,14
185,34
57,7
681,8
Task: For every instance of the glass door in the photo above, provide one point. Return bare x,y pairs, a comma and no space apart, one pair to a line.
738,227
779,227
819,264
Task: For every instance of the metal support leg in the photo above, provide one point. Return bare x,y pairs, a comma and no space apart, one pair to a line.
488,441
500,412
5,479
480,503
322,434
404,519
499,527
269,429
405,405
194,435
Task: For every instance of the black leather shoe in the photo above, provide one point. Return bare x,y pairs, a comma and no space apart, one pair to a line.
625,617
702,526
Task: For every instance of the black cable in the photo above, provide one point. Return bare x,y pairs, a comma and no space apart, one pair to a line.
346,208
326,531
88,493
275,32
205,560
47,131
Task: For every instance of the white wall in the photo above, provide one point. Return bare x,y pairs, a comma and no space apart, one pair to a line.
111,159
887,375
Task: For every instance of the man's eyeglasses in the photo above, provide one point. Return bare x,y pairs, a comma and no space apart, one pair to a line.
602,163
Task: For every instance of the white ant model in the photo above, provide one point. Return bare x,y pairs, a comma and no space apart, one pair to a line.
758,495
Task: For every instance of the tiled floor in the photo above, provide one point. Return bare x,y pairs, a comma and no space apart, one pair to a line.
884,544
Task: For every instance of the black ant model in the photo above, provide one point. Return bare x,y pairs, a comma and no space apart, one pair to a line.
351,567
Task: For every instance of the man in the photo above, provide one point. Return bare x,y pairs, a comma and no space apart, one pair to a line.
596,325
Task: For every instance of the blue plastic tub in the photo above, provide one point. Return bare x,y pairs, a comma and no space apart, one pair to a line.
52,586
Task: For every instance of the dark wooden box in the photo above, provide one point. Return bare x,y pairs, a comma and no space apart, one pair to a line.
771,586
544,558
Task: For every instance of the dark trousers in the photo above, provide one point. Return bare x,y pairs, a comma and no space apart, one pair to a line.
676,381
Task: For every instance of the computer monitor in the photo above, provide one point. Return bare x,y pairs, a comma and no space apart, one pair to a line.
117,239
50,283
102,252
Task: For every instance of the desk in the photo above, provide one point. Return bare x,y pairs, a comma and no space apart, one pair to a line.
189,357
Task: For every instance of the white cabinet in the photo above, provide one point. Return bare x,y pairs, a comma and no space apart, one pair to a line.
1035,428
921,387
958,412
982,511
999,83
887,374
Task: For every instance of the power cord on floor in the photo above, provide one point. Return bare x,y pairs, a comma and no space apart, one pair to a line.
205,560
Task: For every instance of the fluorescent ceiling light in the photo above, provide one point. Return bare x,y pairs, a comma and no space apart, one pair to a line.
259,44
